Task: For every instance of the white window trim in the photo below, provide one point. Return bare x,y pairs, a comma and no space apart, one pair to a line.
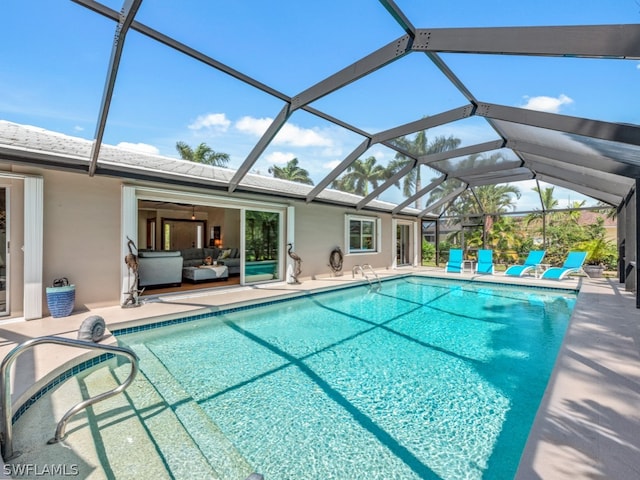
377,234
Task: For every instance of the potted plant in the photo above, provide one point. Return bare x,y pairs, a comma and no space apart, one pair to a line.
600,254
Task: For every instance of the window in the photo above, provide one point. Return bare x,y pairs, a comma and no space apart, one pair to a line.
363,233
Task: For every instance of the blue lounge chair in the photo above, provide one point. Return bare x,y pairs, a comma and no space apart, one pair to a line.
485,262
454,265
533,260
573,264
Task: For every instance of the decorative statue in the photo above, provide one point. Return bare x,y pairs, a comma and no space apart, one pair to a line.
298,262
92,329
131,261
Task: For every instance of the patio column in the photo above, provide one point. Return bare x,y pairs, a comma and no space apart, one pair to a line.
33,246
621,238
635,233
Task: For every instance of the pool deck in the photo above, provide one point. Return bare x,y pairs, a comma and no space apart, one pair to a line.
588,425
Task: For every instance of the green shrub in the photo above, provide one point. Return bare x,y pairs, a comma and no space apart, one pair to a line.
428,251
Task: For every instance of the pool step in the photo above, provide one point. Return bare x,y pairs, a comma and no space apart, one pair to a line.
150,436
221,454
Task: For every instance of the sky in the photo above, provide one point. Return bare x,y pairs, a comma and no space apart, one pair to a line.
54,56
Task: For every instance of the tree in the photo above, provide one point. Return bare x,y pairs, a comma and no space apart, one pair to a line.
359,175
291,172
202,154
548,204
261,237
492,199
496,199
418,147
466,202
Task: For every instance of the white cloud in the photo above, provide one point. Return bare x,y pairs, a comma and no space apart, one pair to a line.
253,126
78,128
279,157
289,134
335,151
547,104
378,154
139,147
301,137
215,121
331,165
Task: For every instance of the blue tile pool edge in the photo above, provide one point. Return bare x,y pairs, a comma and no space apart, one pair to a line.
222,311
214,313
59,379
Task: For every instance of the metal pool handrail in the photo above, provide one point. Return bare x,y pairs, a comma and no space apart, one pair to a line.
6,438
366,265
355,269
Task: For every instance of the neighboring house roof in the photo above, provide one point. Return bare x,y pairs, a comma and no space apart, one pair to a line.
588,218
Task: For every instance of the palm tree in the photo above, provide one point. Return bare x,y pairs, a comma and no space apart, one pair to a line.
291,172
548,203
359,175
202,154
573,214
496,199
418,147
492,199
503,238
609,211
466,201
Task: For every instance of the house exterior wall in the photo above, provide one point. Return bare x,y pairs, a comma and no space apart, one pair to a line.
82,235
321,228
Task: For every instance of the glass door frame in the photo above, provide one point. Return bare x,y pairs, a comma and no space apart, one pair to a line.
403,244
412,243
281,239
132,193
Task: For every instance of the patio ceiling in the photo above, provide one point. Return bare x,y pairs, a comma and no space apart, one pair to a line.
598,159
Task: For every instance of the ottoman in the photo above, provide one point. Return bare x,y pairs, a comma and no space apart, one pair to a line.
205,273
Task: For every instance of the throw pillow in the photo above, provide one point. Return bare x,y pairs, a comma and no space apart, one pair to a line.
224,254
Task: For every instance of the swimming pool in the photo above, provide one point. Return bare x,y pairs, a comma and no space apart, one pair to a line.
426,379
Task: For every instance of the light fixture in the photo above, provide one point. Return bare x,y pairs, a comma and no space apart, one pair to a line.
193,212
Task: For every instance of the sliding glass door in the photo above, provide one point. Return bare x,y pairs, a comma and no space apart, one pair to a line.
403,244
262,246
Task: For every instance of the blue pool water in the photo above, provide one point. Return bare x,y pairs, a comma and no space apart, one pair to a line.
257,268
426,379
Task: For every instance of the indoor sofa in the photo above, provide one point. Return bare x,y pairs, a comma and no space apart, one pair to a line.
158,268
193,257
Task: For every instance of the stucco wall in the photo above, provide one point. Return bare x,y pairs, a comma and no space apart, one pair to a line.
321,228
82,235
